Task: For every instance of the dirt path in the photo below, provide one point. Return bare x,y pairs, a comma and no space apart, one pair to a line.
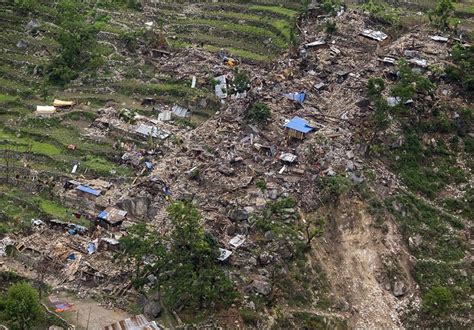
99,315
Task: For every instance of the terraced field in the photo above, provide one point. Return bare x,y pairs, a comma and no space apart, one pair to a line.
253,30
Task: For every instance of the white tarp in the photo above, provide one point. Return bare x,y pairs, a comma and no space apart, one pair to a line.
223,254
237,241
221,87
372,34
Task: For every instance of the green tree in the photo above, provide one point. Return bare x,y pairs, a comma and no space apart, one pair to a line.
375,87
194,279
140,242
78,42
259,113
410,83
22,307
441,13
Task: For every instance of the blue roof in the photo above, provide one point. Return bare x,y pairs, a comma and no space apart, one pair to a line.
88,190
103,215
299,124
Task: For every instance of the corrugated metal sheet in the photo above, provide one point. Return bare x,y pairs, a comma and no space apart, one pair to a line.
88,190
299,124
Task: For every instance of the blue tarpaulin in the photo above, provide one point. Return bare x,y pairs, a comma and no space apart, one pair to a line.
297,97
91,248
149,165
88,190
299,124
103,215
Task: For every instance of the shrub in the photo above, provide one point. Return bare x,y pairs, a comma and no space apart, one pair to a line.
259,113
375,87
440,15
249,316
241,81
331,28
462,70
437,301
382,13
261,184
331,7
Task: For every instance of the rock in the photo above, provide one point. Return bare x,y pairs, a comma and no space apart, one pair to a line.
249,209
350,166
238,214
251,305
272,194
415,241
33,25
399,289
265,258
330,172
356,179
137,206
152,309
350,154
22,44
231,230
259,202
363,103
262,286
269,235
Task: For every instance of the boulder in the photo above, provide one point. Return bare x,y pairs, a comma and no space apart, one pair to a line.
399,289
152,309
136,206
33,25
238,214
260,285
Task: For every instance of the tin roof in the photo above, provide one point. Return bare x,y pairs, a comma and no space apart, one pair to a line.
299,124
88,190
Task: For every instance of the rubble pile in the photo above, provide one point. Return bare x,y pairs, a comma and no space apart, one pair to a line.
318,105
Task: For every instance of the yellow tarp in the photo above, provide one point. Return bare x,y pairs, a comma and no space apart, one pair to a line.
60,103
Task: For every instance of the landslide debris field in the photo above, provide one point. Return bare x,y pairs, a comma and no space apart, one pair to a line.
242,164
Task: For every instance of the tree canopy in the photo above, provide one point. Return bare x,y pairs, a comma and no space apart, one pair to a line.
22,307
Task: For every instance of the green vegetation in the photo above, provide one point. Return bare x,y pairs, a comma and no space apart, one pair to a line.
331,7
462,70
381,118
383,13
259,113
410,83
331,28
187,268
437,301
441,14
195,280
21,307
78,42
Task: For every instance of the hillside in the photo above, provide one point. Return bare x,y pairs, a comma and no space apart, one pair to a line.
245,164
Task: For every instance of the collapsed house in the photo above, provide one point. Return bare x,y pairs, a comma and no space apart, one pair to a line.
111,218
